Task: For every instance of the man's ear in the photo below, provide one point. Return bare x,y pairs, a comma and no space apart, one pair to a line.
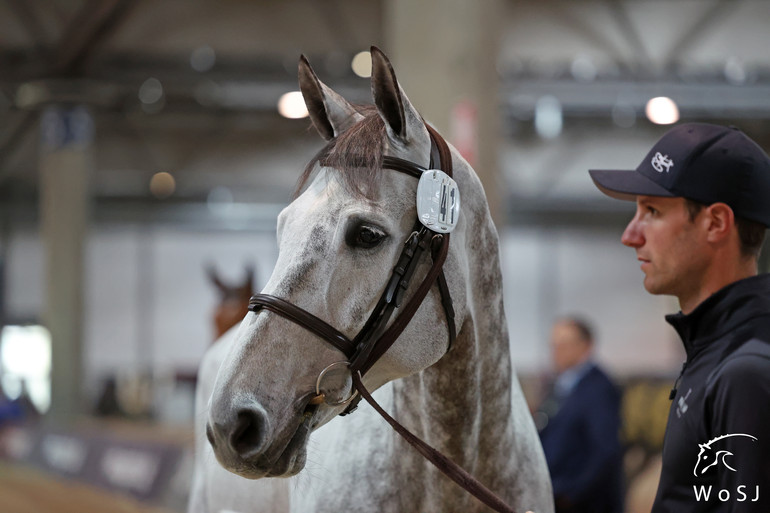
721,222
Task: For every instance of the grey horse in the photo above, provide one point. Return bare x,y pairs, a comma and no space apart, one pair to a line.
338,243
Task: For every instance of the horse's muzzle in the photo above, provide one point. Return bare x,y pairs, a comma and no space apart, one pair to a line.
239,434
245,443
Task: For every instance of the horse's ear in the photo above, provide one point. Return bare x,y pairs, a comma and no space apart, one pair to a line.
250,279
394,107
330,113
214,277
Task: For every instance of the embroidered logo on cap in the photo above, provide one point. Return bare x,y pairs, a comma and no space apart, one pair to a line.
662,163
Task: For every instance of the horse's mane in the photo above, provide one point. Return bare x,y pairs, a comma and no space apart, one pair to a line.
355,155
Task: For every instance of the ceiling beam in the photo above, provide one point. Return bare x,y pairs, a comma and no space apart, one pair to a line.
715,14
631,34
91,25
29,19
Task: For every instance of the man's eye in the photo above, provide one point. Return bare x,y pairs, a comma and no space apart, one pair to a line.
364,236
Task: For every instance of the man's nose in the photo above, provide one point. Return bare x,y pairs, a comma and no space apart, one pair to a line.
632,236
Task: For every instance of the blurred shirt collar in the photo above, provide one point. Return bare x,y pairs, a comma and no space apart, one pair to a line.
567,380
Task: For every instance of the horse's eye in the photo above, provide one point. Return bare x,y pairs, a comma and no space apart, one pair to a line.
364,236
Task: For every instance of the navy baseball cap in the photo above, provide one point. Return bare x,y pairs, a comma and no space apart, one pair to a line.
702,162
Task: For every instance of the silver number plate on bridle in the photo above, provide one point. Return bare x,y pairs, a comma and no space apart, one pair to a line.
438,201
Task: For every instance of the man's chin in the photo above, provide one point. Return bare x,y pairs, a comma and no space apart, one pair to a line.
652,286
657,289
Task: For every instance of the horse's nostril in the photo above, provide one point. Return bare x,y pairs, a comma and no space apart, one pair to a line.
210,435
249,432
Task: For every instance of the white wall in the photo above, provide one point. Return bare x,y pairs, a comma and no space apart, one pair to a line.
148,301
552,272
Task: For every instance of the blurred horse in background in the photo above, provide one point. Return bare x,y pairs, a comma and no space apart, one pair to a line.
233,299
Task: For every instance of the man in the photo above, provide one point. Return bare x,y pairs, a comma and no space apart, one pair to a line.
579,424
702,204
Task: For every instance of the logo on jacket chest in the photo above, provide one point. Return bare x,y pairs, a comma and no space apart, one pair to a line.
681,404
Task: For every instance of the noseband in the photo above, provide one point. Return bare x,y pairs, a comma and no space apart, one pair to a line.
376,337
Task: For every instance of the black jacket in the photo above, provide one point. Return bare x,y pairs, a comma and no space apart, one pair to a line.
716,452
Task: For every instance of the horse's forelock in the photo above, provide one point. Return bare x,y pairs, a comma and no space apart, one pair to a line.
355,155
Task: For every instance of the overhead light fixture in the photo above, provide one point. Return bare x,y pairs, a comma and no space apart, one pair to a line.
151,91
662,110
623,114
203,58
548,117
362,64
151,95
735,71
162,185
583,69
291,105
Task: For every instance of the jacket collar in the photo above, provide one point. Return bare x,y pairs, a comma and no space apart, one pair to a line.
722,312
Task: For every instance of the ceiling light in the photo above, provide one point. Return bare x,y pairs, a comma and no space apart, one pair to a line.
162,185
151,91
662,111
362,64
291,105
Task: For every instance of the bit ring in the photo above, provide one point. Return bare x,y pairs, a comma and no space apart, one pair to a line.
321,397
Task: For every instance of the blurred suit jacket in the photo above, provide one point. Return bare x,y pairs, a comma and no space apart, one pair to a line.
582,446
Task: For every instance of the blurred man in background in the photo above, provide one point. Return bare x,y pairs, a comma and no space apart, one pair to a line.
579,424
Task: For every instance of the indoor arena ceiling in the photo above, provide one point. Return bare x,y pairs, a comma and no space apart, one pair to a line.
220,67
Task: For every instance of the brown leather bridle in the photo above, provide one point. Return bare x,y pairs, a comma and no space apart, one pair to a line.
376,337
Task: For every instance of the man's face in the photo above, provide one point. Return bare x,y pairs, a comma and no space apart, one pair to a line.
670,246
567,348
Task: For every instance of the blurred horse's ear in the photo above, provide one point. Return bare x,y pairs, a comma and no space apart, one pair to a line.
214,278
402,121
330,113
251,278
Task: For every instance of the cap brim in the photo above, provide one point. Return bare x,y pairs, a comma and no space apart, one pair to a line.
626,185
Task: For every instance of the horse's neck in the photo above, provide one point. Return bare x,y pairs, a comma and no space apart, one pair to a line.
470,406
467,406
462,404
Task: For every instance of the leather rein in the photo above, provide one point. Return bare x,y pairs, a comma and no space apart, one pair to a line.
376,337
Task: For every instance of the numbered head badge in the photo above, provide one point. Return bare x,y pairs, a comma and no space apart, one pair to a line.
438,201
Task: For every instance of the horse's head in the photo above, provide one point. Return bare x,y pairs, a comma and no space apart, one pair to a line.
233,300
338,244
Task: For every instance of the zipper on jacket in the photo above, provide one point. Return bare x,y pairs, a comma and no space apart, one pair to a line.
672,394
